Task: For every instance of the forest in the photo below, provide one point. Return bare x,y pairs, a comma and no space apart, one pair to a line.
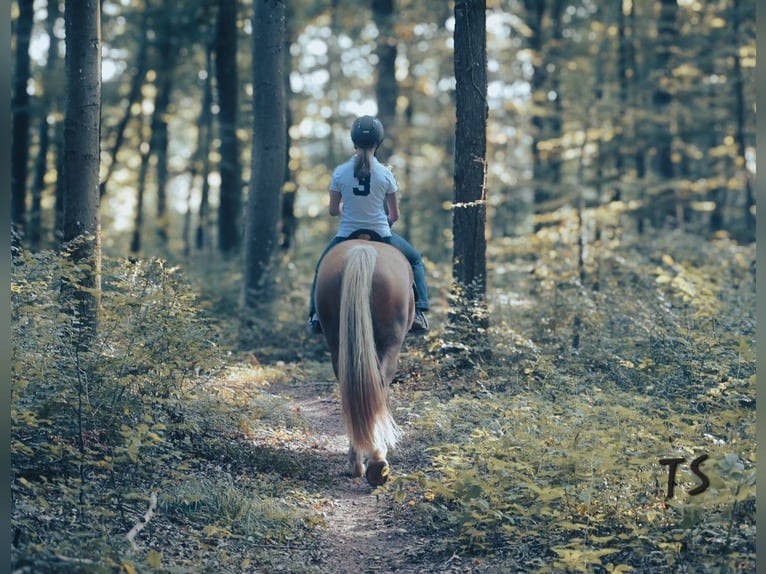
579,178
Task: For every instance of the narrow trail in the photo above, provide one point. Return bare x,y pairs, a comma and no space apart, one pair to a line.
359,536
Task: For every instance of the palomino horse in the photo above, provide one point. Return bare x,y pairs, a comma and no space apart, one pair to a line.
366,306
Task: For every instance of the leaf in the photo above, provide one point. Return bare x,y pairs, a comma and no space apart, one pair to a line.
619,568
154,559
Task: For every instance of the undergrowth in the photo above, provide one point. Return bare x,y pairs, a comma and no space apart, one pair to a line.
538,439
547,458
125,435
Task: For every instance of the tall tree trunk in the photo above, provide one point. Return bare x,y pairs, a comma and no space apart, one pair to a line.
20,114
546,120
625,77
143,170
289,189
134,94
469,266
741,112
230,205
82,127
168,49
268,154
662,101
48,107
386,87
204,140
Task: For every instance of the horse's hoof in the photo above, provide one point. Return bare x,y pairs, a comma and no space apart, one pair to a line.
377,472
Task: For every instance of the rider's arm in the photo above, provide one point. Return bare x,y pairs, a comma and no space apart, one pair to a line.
335,205
392,202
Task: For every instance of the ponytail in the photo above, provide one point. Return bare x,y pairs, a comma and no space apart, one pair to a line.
362,163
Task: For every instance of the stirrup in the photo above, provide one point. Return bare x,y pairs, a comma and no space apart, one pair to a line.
314,326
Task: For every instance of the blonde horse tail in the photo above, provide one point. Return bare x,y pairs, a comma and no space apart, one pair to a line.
364,400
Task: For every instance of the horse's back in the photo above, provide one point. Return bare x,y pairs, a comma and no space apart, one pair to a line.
392,300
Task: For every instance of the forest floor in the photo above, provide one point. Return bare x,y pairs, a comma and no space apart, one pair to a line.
529,455
360,534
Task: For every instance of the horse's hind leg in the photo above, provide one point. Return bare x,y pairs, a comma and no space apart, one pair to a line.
355,462
377,469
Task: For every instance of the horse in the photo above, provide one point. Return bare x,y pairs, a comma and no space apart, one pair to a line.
366,304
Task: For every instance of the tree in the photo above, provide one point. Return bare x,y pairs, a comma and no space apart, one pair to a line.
134,93
268,152
202,163
546,118
48,104
20,108
82,131
741,121
470,204
664,159
230,205
168,46
386,87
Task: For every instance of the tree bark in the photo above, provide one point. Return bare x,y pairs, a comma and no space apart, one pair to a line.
134,95
470,205
204,140
82,131
138,216
386,87
546,120
662,100
168,48
44,132
230,205
741,110
20,109
268,154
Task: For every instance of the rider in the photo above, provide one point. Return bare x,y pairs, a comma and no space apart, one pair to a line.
363,192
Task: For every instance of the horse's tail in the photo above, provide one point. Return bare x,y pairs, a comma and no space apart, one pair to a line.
364,400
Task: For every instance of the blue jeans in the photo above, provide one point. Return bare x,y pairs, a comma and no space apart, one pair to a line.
412,255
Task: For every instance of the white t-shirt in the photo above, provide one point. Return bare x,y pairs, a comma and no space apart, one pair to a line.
363,201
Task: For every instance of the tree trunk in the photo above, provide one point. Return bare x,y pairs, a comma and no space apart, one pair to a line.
138,217
82,127
134,95
48,106
20,109
386,87
204,140
168,48
230,205
662,100
470,206
546,120
268,154
741,111
625,77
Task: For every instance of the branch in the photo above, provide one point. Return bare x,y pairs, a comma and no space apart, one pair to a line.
144,521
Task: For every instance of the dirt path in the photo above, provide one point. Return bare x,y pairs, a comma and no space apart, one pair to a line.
360,536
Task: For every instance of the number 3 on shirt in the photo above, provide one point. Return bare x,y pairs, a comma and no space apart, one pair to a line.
364,186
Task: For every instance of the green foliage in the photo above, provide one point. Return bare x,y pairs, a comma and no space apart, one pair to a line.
96,429
548,455
232,510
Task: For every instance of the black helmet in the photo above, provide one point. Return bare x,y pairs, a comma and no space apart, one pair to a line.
367,132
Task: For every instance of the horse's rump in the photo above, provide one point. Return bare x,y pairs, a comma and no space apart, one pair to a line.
365,304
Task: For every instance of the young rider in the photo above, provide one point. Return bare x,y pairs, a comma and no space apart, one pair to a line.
363,192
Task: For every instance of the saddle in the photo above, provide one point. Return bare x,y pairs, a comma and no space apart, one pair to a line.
369,235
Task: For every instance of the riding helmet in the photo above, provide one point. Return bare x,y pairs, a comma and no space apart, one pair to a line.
367,132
